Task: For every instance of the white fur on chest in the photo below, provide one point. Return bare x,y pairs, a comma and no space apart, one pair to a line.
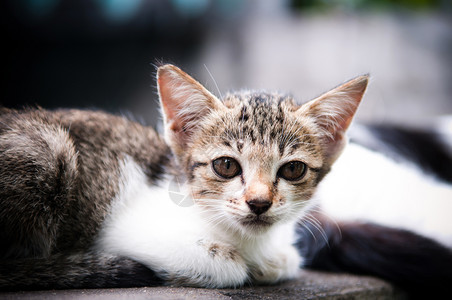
367,186
144,220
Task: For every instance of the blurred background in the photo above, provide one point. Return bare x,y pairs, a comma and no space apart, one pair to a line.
102,53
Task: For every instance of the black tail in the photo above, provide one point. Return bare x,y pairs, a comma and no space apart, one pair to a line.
77,271
417,264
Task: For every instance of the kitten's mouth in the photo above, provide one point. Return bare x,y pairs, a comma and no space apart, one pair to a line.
257,221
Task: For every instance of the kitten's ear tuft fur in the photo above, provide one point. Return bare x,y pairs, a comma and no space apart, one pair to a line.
184,102
333,112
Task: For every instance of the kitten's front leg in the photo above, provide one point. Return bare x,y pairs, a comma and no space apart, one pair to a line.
209,264
278,265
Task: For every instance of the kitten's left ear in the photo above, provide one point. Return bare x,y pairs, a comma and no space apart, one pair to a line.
333,112
184,102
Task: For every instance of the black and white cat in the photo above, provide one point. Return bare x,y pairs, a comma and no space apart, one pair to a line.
87,199
386,210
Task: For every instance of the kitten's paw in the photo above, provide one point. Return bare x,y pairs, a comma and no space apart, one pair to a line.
217,266
283,265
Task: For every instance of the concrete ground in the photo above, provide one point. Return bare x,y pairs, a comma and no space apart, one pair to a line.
309,285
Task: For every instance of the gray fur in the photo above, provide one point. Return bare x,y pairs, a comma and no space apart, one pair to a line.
87,270
58,173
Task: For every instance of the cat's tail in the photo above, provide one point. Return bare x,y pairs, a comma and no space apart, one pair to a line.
417,264
89,270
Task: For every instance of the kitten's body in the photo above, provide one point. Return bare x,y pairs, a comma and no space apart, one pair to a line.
86,198
60,172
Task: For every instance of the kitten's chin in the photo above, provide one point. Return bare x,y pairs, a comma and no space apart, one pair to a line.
257,224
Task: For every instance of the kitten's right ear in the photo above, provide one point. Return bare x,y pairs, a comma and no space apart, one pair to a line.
184,103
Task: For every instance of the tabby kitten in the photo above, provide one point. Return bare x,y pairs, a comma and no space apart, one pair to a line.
85,199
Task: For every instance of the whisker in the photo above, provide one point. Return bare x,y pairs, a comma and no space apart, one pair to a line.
319,228
214,81
322,212
310,231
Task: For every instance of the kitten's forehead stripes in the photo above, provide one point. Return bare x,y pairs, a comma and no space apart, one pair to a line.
239,145
244,116
263,120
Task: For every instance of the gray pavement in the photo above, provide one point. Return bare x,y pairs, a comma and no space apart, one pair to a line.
309,285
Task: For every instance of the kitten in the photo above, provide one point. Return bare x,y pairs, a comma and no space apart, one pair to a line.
77,183
89,200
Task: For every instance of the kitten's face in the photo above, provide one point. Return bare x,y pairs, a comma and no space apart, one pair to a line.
253,159
254,163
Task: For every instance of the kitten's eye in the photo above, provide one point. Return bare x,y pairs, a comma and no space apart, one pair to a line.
226,167
292,171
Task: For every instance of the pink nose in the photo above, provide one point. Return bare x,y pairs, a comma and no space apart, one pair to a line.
259,206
